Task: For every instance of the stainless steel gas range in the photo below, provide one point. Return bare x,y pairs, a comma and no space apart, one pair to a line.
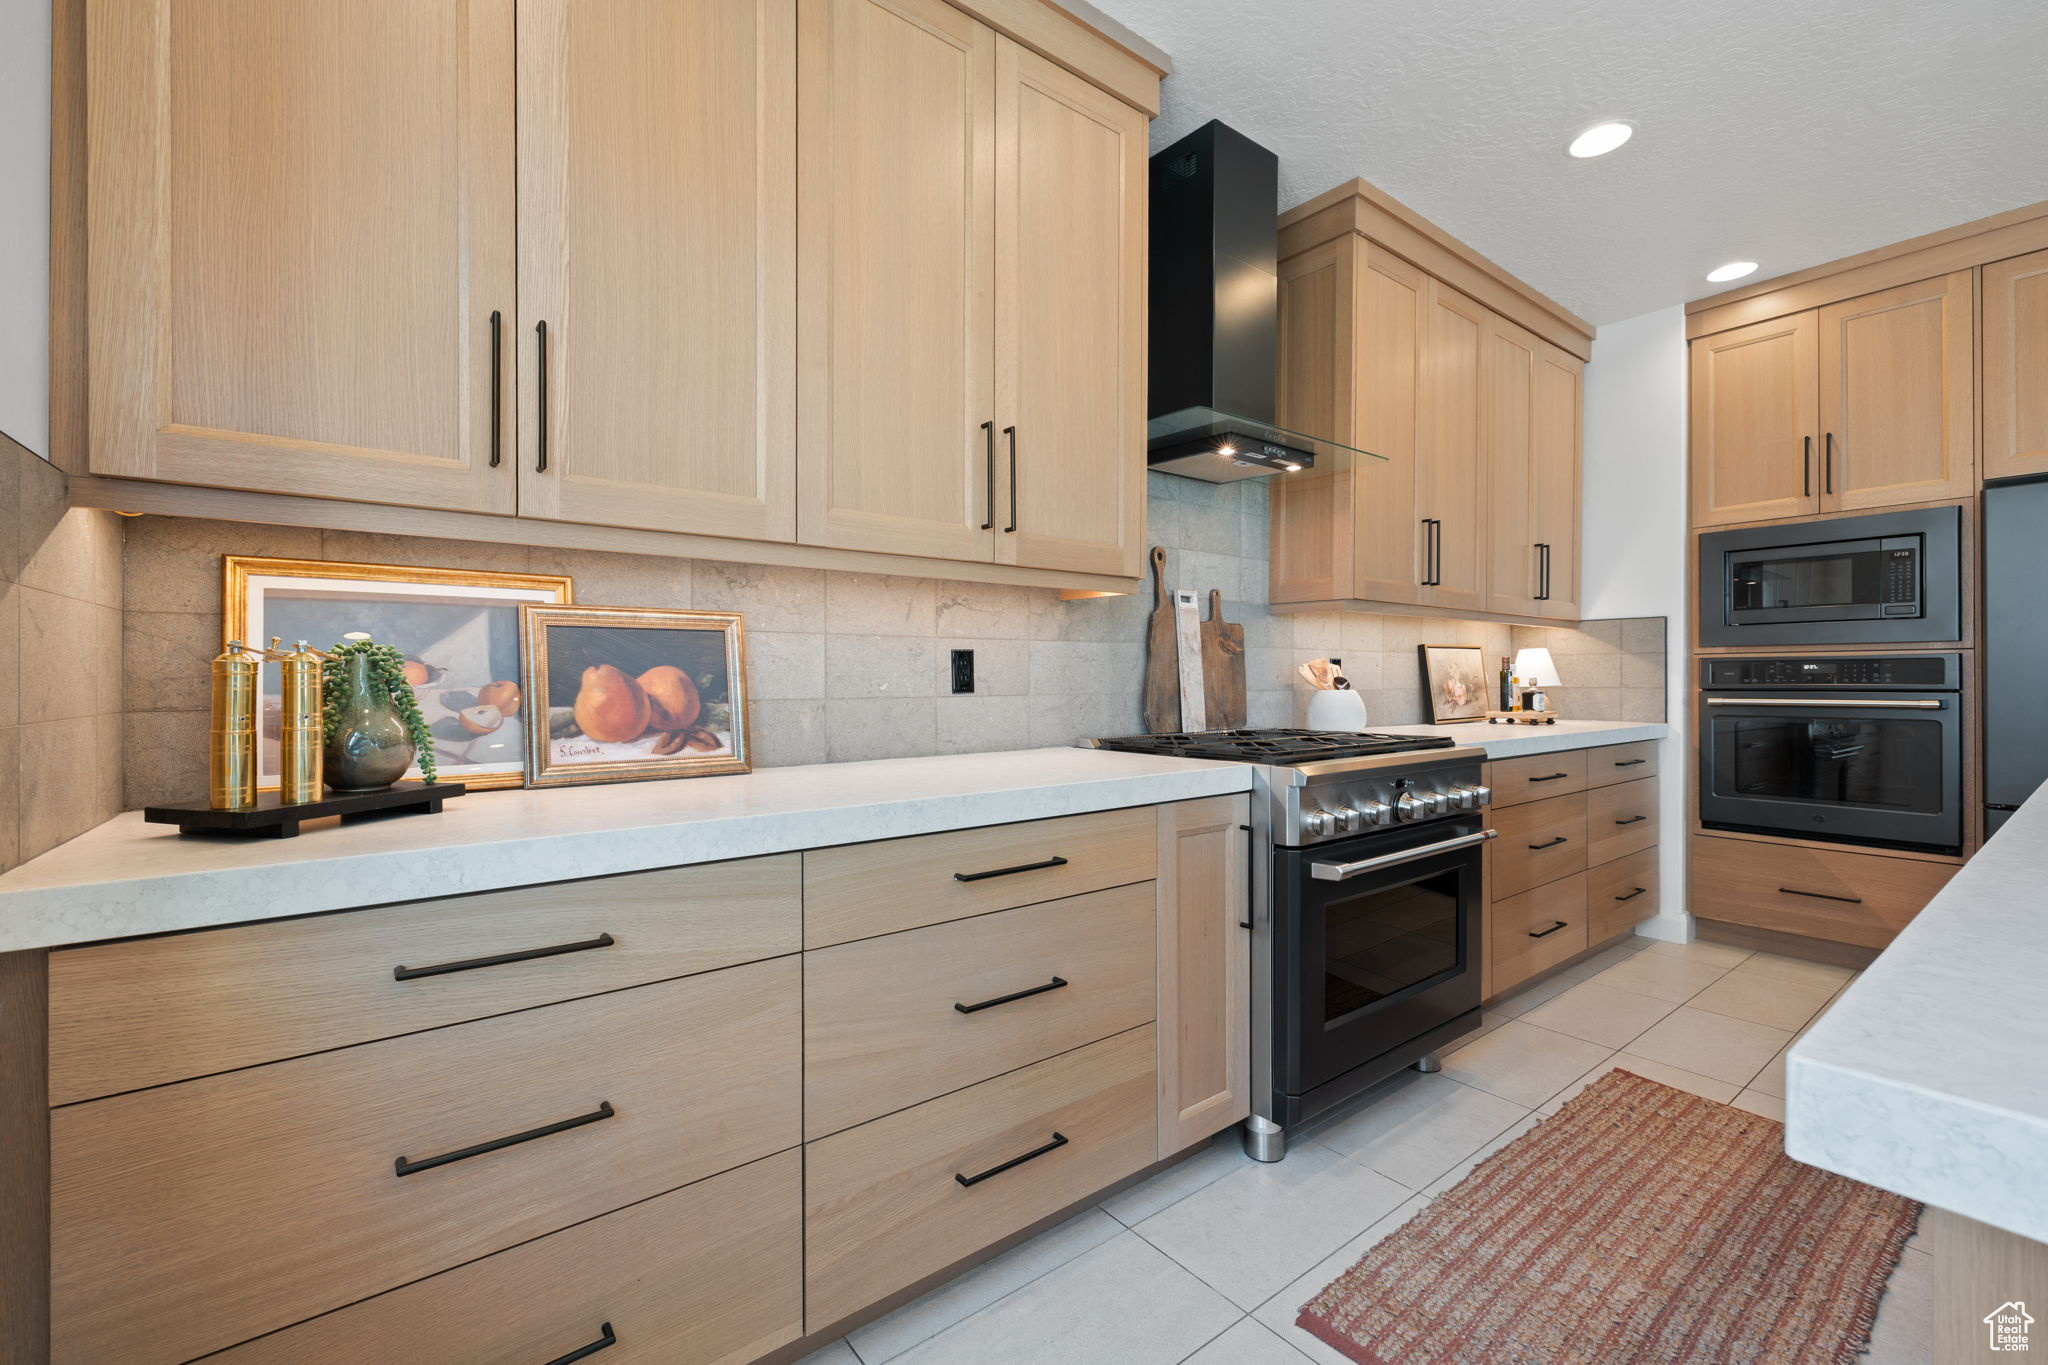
1367,894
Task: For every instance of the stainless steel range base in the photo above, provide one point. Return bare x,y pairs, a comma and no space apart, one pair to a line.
1264,1140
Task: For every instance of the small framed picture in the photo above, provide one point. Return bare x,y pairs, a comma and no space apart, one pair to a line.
626,693
1454,681
457,628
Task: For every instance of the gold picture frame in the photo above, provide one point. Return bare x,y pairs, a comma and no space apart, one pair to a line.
449,622
1454,683
624,694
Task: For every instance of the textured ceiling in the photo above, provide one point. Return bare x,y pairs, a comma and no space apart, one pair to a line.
1787,132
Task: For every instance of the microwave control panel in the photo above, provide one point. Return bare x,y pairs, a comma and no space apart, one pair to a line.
1935,671
1901,581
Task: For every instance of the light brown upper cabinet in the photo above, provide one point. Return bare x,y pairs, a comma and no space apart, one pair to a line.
2015,366
1898,396
1756,422
972,295
657,219
300,255
1864,403
1448,374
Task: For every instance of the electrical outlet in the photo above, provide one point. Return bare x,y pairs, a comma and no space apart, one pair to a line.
963,670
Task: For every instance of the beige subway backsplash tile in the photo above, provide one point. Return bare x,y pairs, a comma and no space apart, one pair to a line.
880,604
1642,703
967,725
785,733
163,757
10,797
173,563
772,597
165,659
785,665
983,611
59,790
603,579
858,728
1642,670
10,654
61,657
878,666
1643,634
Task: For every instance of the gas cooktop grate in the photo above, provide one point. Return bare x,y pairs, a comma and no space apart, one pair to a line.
1274,746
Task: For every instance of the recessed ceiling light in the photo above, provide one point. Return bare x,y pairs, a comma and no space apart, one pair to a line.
1734,270
1601,139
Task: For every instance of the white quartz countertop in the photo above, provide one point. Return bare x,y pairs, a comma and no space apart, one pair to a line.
1929,1076
1513,741
127,878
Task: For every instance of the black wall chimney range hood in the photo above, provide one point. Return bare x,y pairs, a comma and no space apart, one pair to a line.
1215,290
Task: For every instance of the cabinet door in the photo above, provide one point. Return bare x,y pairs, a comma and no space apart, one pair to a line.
2015,362
1391,321
1205,1046
1514,570
1557,432
896,277
657,217
1756,422
1448,461
302,229
1897,396
1070,319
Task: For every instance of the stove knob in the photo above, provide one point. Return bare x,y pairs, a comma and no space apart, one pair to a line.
1411,807
1319,822
1348,820
1375,813
1482,796
1439,803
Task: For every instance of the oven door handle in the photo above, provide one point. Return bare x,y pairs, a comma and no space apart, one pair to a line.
1930,704
1337,872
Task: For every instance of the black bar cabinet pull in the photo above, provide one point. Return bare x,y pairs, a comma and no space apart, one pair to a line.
497,386
1251,864
1827,483
1629,762
610,1338
1560,839
1011,432
1552,778
604,1110
1542,572
1632,820
1051,985
525,955
988,439
1820,896
1436,552
1008,871
1058,1141
1806,467
1546,933
1641,890
540,343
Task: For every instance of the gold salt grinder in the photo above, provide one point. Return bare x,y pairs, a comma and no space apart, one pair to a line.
231,761
301,732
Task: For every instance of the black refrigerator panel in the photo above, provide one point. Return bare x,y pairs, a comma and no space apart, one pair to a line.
2015,645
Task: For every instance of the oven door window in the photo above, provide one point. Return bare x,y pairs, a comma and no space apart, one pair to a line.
1884,763
1383,942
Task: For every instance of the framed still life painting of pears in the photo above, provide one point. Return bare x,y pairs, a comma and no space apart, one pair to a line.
457,629
623,693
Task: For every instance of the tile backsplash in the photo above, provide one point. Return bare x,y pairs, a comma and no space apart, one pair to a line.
845,666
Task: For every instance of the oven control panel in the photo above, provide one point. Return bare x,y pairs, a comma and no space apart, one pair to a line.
1344,806
1938,672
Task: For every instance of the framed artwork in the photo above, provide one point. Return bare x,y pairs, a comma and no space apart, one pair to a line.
1454,682
457,628
626,693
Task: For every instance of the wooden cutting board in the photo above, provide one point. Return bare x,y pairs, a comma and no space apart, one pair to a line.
1223,667
1162,667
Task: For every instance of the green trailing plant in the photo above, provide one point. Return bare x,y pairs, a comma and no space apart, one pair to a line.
387,683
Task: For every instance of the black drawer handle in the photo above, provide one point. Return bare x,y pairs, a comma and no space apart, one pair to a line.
525,955
610,1338
1546,933
604,1110
1008,871
1632,820
1051,985
1641,890
1820,896
1560,839
1552,778
1629,762
1058,1141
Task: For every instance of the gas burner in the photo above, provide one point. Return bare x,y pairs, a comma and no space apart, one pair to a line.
1281,747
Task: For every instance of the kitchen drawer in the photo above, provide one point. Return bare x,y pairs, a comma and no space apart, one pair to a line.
711,1274
264,992
1515,780
1620,820
1539,842
860,890
194,1216
882,1023
1621,763
892,1201
1536,930
1833,894
1621,894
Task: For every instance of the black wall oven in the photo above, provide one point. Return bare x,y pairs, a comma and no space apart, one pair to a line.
1862,749
1890,578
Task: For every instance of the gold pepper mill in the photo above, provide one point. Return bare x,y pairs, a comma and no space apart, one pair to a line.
231,766
301,723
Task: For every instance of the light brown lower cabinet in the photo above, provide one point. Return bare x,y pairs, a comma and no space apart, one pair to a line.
1205,970
1836,894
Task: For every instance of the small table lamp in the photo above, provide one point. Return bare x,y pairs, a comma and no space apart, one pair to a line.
1535,668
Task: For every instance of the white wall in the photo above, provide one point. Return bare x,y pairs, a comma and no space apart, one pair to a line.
1633,539
25,223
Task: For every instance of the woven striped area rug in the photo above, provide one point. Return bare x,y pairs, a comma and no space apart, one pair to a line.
1639,1226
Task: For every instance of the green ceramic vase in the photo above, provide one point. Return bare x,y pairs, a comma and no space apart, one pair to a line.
370,748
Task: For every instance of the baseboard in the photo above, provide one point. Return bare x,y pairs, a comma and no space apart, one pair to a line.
1850,955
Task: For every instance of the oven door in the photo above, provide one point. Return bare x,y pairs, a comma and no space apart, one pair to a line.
1377,944
1871,768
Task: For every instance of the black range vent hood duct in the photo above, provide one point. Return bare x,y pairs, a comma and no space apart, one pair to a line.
1215,291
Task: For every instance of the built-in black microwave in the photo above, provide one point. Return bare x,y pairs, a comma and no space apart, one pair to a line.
1888,578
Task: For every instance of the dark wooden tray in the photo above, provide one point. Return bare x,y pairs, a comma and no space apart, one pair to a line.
268,819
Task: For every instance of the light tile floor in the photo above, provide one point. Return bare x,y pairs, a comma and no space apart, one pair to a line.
1207,1263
